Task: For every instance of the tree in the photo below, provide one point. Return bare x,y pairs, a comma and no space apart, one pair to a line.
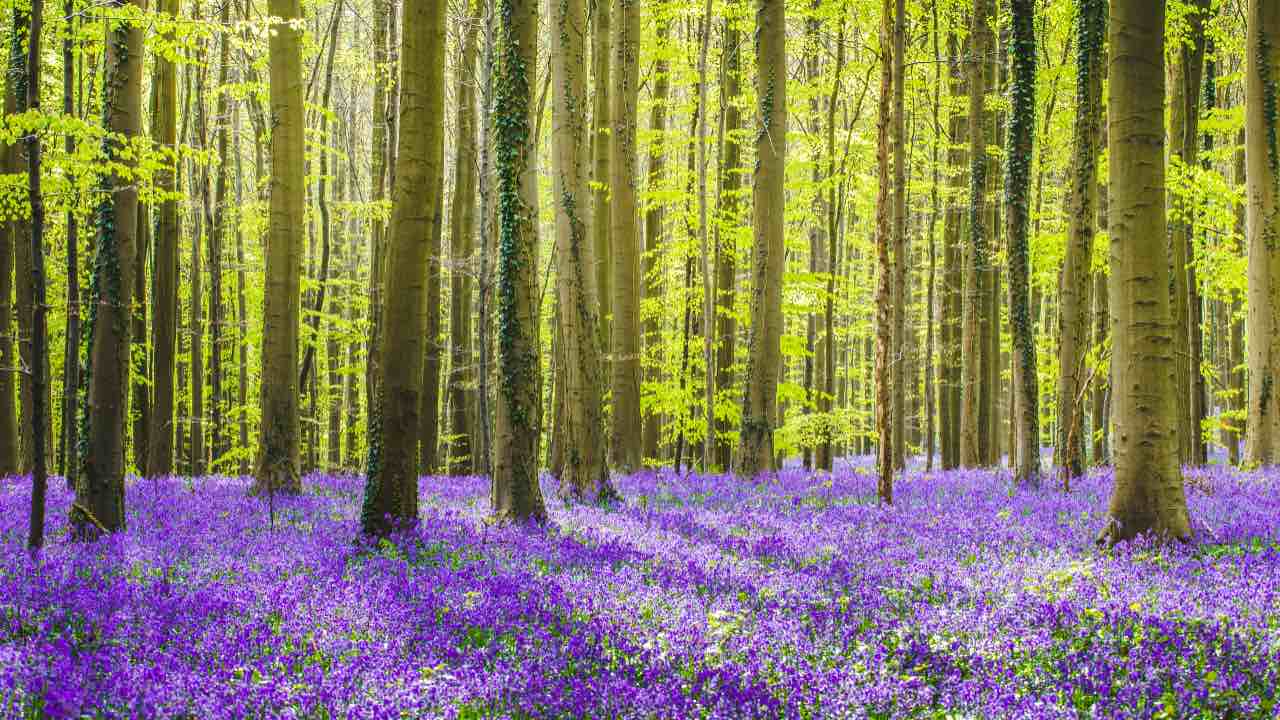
764,353
585,476
1185,78
516,495
1026,384
625,444
278,441
39,338
391,490
1075,283
462,248
99,503
653,219
884,323
898,140
975,394
1262,169
1148,495
164,309
954,268
9,445
601,165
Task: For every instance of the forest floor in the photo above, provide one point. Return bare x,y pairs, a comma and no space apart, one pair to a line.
698,596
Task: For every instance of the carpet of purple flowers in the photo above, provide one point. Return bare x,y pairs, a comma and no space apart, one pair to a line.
697,597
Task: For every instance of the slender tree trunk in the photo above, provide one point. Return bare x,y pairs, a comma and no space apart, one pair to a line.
1262,160
884,427
1185,76
242,316
462,375
973,352
601,146
1075,284
825,456
1148,494
653,219
1025,455
10,449
70,458
900,248
278,446
624,236
199,184
1237,374
760,391
429,416
99,503
954,267
380,141
21,229
164,310
39,339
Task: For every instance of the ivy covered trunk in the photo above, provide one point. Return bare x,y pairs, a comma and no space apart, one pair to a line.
1148,495
884,268
462,376
764,351
1262,161
391,490
1025,455
974,353
625,444
1075,282
99,502
585,476
278,431
516,494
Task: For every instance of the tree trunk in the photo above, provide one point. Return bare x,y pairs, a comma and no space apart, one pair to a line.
1185,76
391,491
825,457
900,258
462,376
99,503
884,427
70,457
516,495
381,142
429,416
217,238
601,158
1025,455
39,339
954,269
625,445
586,476
653,218
1075,283
164,308
1148,495
278,431
1262,160
974,354
764,354
242,311
10,448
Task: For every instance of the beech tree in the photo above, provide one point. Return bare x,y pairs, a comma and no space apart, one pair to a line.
760,388
1148,495
99,503
391,490
1262,160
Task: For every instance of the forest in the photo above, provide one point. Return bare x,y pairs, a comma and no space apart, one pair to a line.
618,359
